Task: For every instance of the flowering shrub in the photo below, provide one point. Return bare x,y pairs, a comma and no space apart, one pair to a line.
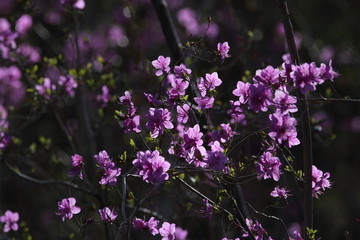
189,148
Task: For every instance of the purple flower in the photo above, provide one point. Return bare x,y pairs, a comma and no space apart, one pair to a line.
151,166
158,120
237,115
280,192
192,149
283,130
69,84
103,159
180,234
162,65
178,89
132,124
204,102
268,166
150,225
23,24
242,91
224,134
167,231
192,137
296,236
150,98
46,88
256,230
207,210
110,176
10,219
108,215
139,224
306,77
29,53
12,90
268,76
3,118
79,4
188,19
181,71
104,97
183,113
223,50
216,160
67,208
284,102
260,97
320,181
210,82
4,139
327,72
111,172
77,163
126,99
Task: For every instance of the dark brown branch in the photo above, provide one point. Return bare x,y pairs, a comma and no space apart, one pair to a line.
168,28
305,123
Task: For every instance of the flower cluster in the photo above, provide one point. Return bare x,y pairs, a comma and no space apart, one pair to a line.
8,36
280,192
151,166
69,84
268,166
159,119
270,87
110,171
168,231
131,122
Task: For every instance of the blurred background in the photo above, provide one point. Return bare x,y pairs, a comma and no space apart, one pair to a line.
120,39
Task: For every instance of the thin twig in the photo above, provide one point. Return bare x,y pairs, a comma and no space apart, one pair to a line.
273,217
46,182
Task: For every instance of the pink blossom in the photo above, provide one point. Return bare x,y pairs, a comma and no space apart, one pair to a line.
104,97
167,231
46,88
223,50
242,91
280,192
77,163
10,219
67,208
204,102
23,24
107,215
151,166
320,181
183,113
159,119
162,65
268,166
